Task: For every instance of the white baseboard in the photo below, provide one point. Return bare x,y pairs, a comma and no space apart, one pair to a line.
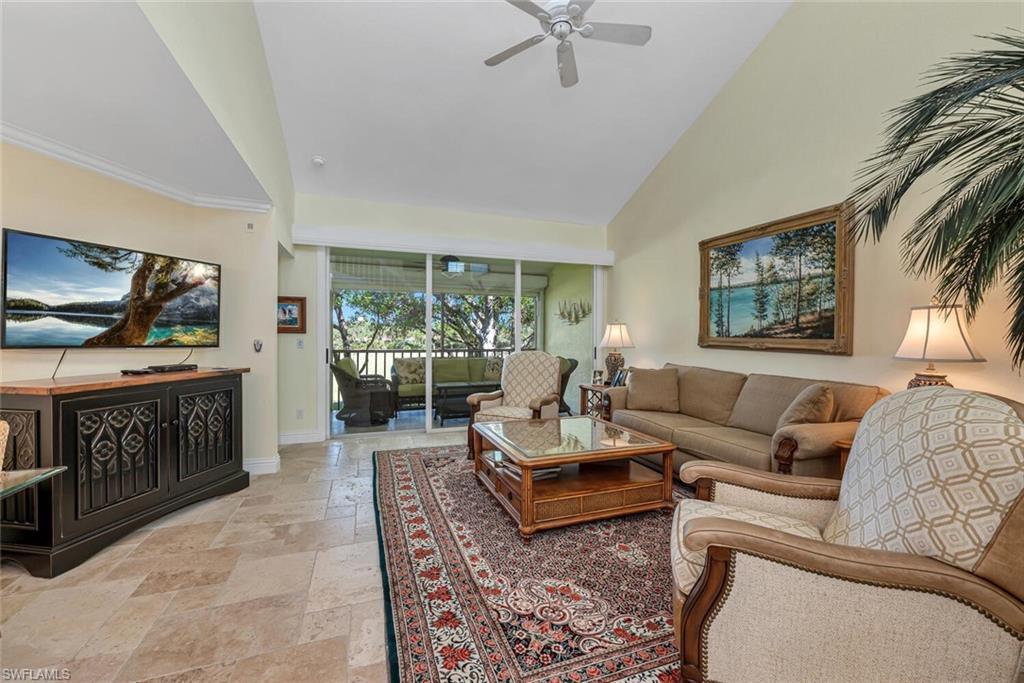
290,438
270,465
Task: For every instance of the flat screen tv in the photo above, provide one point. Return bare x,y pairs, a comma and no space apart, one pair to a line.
66,293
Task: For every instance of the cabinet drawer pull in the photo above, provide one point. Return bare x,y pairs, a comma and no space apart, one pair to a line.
164,425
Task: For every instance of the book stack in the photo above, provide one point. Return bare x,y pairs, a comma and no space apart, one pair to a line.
539,473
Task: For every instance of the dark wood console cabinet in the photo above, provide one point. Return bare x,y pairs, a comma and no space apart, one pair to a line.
136,448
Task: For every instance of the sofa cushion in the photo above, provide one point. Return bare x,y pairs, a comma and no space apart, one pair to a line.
410,390
851,401
687,565
934,471
727,444
706,393
451,370
813,404
660,425
410,370
652,390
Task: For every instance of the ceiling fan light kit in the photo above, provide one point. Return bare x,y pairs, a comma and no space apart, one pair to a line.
560,20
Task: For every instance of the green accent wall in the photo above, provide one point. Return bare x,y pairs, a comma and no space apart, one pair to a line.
570,283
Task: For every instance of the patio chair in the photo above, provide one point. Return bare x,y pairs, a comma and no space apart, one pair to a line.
366,400
568,366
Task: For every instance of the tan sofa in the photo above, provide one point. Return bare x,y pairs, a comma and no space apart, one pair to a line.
731,417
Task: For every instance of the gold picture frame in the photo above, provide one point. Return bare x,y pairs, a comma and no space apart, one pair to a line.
793,290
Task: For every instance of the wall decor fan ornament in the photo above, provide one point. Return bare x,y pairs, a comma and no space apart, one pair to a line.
561,20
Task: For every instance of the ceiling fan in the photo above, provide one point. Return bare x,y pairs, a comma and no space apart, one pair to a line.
561,19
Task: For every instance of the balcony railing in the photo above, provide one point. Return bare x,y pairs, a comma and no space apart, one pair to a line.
379,361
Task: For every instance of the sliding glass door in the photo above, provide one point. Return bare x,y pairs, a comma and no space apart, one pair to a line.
413,335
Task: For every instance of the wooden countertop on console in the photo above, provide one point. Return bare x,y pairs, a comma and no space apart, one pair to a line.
113,380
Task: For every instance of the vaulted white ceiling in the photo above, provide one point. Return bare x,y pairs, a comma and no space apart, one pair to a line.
92,83
396,97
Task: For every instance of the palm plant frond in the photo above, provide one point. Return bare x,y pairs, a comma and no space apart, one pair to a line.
970,128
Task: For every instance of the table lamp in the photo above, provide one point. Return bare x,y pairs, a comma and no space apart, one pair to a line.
937,333
616,337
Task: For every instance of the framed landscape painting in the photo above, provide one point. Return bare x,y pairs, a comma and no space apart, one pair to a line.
780,286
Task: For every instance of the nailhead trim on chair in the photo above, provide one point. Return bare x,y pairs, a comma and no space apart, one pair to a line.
767,493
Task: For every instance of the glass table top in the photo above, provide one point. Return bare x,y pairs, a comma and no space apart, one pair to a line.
566,436
13,481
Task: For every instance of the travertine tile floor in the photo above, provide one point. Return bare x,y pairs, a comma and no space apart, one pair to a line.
278,582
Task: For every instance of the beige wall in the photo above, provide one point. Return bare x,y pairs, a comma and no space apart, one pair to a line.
786,135
398,219
297,386
219,47
570,283
39,194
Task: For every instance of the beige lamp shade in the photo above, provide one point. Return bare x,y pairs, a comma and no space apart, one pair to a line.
938,333
616,336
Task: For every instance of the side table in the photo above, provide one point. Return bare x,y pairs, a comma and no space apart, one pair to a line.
591,399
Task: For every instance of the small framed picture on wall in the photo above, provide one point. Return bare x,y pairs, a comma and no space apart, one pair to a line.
291,314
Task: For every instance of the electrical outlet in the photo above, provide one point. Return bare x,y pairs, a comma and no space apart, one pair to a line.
299,413
249,227
300,343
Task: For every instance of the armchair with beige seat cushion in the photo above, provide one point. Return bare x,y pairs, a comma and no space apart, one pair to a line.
530,383
909,569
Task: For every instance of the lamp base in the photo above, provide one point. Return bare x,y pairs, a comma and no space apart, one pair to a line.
613,362
928,378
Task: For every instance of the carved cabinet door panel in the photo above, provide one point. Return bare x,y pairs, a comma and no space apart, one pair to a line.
206,433
114,445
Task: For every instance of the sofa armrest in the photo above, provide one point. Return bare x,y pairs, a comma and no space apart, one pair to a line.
703,473
863,565
614,398
474,400
809,441
538,403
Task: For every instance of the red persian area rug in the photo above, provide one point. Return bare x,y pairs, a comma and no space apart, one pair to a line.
468,600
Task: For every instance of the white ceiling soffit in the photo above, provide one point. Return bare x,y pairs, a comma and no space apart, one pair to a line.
93,84
396,97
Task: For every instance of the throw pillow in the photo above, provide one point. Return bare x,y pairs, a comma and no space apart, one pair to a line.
653,390
813,404
492,370
410,370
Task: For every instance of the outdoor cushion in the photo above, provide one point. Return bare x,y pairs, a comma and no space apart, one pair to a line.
451,370
706,393
476,369
727,444
348,366
813,404
652,390
492,369
660,425
408,390
410,370
687,565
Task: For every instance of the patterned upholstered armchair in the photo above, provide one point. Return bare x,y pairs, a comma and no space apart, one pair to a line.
910,569
530,383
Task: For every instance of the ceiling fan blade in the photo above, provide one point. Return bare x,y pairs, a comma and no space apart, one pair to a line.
514,50
628,34
567,64
534,10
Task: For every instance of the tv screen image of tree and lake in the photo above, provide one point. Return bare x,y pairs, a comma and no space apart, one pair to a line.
61,292
780,286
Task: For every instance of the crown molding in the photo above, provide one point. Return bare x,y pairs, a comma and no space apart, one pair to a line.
58,150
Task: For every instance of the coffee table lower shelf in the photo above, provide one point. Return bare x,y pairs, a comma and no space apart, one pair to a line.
581,492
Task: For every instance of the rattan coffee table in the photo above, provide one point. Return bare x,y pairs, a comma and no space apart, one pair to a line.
597,476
